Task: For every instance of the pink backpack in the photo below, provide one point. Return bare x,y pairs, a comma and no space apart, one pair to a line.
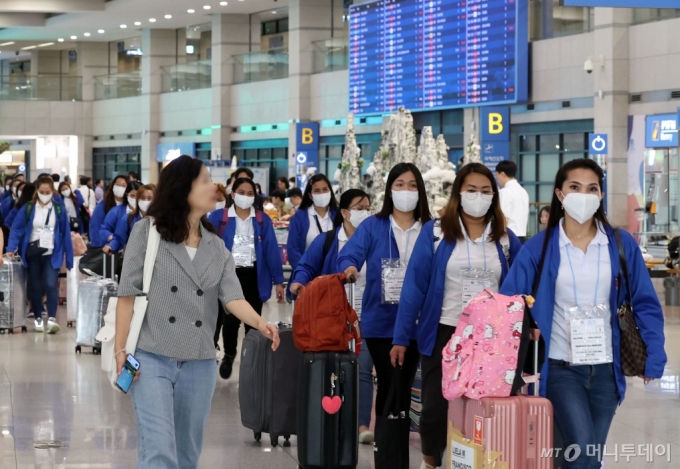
481,359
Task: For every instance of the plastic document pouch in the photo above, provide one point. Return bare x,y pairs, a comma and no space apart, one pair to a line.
46,238
589,342
474,281
393,273
244,251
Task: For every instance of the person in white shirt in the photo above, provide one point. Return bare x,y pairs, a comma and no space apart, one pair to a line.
514,199
87,194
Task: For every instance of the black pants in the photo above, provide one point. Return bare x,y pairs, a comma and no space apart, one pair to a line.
433,420
380,352
229,323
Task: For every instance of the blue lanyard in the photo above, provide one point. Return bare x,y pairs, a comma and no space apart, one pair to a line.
408,238
467,242
573,275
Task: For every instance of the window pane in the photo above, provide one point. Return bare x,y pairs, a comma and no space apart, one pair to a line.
549,142
567,157
545,192
527,143
549,164
334,151
574,142
528,168
250,155
265,154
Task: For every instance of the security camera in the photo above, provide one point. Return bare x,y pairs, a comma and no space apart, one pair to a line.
17,53
588,66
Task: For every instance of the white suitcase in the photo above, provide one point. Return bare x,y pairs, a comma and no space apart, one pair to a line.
73,279
12,296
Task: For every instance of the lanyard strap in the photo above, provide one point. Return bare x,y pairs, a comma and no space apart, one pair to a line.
408,240
573,275
467,242
47,220
318,225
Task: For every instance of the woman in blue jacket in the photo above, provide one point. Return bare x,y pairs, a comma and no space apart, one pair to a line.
249,236
470,242
575,263
321,259
71,203
42,235
26,192
108,228
315,216
113,197
125,223
385,243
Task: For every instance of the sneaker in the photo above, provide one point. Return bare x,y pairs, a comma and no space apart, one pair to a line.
39,326
226,367
366,437
52,326
30,314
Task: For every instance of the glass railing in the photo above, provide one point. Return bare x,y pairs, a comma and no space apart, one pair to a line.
121,85
331,54
271,64
648,15
185,77
40,88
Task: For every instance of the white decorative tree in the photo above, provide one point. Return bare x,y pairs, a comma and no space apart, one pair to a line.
349,173
434,158
473,151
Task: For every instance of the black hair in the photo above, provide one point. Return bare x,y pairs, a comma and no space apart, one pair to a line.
295,191
56,177
240,181
18,175
279,194
243,169
507,167
85,179
109,197
258,188
133,174
96,183
422,211
42,175
285,181
545,208
132,186
346,202
27,191
307,200
170,206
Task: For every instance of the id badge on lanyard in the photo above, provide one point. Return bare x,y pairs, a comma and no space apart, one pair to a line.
46,240
393,273
589,343
244,251
358,296
474,281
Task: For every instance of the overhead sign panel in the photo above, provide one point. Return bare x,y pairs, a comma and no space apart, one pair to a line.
662,131
623,3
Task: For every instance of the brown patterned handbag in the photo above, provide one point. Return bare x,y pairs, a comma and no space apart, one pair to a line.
633,348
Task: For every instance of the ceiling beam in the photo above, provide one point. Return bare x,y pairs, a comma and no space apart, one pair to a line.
51,6
12,20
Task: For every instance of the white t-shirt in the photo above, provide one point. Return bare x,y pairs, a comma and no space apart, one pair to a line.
243,227
191,251
325,222
406,240
40,221
452,306
70,207
515,205
585,271
342,240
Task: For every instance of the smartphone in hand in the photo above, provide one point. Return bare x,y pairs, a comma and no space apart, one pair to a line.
130,369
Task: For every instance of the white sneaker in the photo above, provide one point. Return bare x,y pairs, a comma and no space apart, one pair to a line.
366,438
38,325
52,326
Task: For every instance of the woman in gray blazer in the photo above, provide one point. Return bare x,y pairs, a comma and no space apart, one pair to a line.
176,350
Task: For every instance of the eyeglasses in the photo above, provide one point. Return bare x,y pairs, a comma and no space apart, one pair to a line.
472,195
370,210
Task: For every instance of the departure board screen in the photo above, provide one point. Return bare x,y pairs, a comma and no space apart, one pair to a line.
435,54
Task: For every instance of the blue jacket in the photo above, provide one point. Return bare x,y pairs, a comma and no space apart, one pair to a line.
9,219
5,194
108,228
269,266
648,313
6,206
20,236
297,235
122,232
96,222
423,293
370,244
314,264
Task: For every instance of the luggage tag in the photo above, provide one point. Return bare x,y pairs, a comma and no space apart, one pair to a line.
243,251
333,403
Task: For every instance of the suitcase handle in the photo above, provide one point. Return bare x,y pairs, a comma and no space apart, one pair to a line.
352,284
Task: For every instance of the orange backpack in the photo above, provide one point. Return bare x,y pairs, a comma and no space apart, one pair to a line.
323,317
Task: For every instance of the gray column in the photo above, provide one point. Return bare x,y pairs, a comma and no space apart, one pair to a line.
159,49
611,110
229,38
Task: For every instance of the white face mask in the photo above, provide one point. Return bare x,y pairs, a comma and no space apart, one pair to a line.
477,207
357,216
14,190
118,191
229,189
19,194
322,200
144,205
243,201
132,203
45,199
405,201
66,193
220,205
581,207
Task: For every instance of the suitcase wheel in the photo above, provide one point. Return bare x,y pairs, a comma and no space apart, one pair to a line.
286,441
2,331
96,351
78,349
10,331
24,329
69,323
257,436
274,440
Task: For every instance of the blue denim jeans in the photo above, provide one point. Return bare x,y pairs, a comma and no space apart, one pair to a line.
43,277
584,400
365,386
172,405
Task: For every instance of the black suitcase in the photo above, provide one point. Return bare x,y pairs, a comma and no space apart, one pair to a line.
268,385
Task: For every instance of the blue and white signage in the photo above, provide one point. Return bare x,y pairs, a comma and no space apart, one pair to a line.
495,152
166,152
623,3
598,144
661,131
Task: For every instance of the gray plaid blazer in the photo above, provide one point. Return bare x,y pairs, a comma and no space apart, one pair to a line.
182,314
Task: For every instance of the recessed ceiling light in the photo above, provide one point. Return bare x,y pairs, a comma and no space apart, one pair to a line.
224,4
46,44
167,17
74,37
86,34
274,12
61,39
101,31
191,10
123,26
6,43
138,23
206,7
28,48
152,20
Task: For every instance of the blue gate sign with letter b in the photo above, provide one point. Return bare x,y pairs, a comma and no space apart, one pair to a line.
598,144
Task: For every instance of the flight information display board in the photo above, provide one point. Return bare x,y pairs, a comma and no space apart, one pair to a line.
434,54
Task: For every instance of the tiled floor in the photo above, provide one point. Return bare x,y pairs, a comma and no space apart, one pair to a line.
49,393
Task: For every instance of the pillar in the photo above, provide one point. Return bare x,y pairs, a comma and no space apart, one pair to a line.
611,109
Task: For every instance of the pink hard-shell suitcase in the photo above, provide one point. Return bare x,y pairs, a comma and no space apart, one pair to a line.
521,427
